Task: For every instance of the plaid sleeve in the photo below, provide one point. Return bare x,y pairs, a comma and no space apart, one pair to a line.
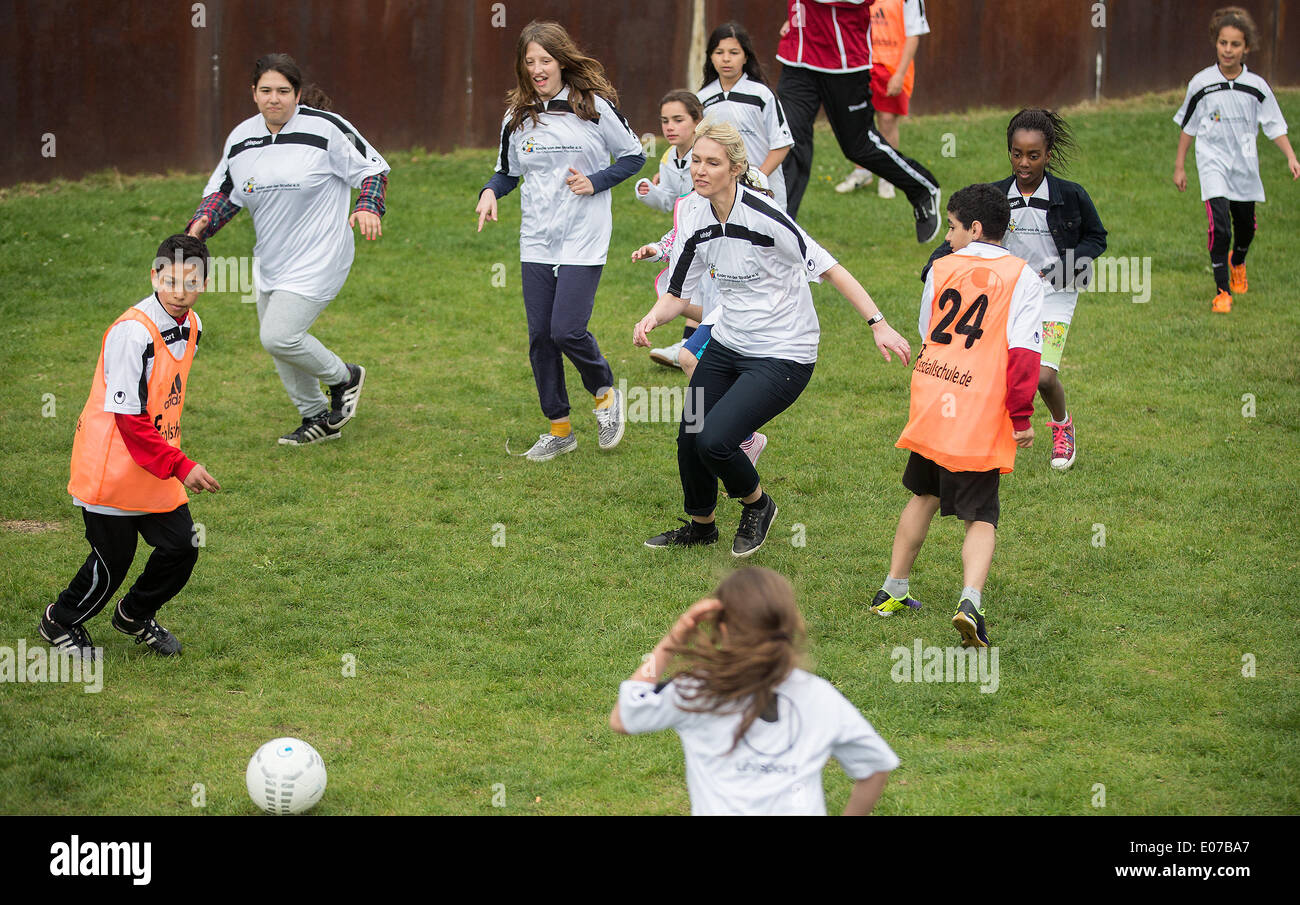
218,208
371,197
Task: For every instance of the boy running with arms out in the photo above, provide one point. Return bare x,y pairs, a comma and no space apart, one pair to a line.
972,396
129,475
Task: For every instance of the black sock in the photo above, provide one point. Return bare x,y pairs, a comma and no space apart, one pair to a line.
758,503
1238,257
688,332
701,528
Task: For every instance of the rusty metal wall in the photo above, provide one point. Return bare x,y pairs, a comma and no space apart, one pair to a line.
137,85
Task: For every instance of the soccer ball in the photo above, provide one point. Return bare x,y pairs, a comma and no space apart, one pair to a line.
285,776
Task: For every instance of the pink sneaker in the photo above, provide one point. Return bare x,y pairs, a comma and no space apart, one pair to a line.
1062,444
754,446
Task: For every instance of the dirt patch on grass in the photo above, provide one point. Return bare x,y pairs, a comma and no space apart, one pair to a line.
28,526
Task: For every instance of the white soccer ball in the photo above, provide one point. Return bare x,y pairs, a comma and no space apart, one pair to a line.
285,776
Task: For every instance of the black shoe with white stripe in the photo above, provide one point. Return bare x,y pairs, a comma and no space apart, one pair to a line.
147,632
755,522
312,430
928,217
344,396
73,640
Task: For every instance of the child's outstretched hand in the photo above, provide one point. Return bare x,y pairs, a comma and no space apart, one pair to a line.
1294,166
645,251
1025,438
1180,179
888,339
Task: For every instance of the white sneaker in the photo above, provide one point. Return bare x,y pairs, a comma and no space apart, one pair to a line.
610,422
667,356
854,180
548,446
885,189
755,448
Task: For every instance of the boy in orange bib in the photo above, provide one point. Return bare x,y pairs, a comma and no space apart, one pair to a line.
973,389
129,475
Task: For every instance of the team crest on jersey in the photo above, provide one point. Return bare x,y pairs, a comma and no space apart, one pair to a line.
249,186
528,146
1012,225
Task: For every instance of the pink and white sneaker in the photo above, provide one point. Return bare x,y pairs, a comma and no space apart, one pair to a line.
754,446
1062,444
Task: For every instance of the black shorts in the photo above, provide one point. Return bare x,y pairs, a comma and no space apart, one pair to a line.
972,496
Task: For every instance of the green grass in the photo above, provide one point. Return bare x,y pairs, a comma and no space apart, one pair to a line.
479,664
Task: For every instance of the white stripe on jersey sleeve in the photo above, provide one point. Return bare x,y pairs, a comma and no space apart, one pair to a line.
914,21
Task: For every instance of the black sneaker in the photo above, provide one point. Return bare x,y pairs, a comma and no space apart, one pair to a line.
148,632
970,622
928,215
73,640
312,430
755,521
690,534
344,396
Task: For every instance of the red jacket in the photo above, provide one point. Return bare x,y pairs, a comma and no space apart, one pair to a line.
828,35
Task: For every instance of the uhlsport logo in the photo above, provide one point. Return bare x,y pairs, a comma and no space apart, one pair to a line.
174,395
103,859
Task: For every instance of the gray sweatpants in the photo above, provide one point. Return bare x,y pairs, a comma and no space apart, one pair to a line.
301,359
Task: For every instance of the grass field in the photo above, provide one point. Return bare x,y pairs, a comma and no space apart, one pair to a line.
479,664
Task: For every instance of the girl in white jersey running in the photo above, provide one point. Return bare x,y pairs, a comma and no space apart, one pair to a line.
763,344
756,728
1226,104
292,166
559,134
735,91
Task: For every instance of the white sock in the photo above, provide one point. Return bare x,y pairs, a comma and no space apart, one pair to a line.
896,587
969,593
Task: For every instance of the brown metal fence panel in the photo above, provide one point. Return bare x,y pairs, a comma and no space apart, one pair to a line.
143,85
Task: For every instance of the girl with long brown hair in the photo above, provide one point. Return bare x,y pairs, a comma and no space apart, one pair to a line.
756,728
560,130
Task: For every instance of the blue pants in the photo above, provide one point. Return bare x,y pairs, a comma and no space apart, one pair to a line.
558,301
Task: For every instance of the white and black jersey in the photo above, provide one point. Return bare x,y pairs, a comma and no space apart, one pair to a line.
756,113
777,767
296,184
128,364
1029,237
1224,116
558,226
674,182
760,262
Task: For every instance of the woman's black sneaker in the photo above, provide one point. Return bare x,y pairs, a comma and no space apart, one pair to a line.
755,522
690,534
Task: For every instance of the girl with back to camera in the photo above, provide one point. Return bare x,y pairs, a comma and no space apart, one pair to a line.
756,728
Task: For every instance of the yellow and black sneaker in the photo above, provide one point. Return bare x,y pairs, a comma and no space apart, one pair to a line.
885,605
970,622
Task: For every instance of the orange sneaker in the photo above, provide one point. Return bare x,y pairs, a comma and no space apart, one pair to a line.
1222,303
1238,278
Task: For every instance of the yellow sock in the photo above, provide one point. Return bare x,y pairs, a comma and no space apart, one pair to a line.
604,402
561,428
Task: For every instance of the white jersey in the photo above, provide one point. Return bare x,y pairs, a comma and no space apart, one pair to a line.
756,113
558,226
1024,320
296,184
128,364
674,182
1224,116
777,767
760,262
1029,237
